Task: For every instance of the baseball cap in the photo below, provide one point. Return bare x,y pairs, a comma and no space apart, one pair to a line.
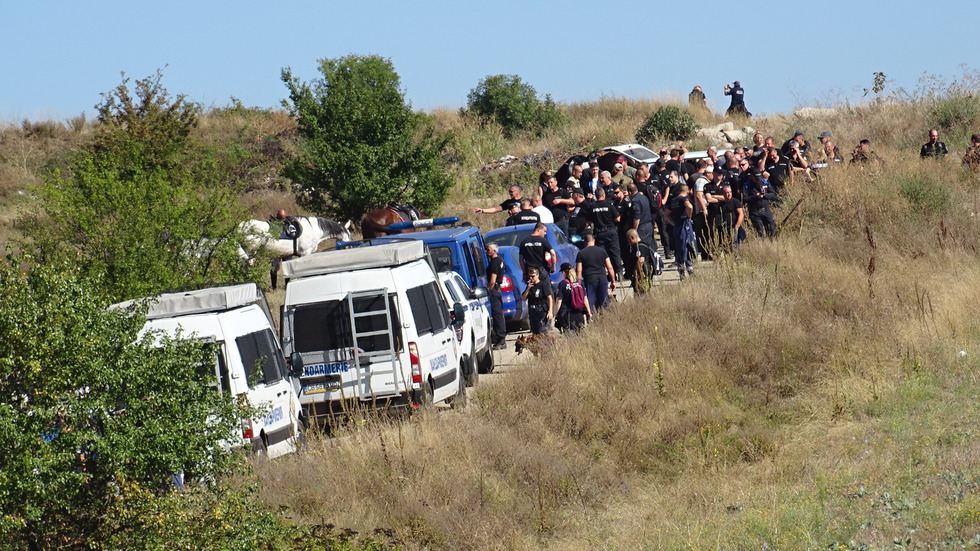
579,191
755,171
798,133
619,166
825,134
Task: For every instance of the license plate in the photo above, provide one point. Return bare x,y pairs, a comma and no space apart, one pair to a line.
317,388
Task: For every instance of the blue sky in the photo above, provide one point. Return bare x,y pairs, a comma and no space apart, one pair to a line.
59,56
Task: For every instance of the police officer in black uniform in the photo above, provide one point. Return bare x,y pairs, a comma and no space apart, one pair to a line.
738,100
780,172
506,205
624,207
578,217
525,215
758,195
558,200
604,218
495,276
934,147
536,252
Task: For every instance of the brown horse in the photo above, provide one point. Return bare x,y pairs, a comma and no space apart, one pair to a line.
375,223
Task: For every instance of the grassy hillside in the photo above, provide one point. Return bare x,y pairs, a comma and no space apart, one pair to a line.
817,391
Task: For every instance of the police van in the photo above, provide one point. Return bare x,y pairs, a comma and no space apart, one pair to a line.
249,362
368,328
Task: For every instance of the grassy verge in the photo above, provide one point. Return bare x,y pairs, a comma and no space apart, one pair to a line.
810,393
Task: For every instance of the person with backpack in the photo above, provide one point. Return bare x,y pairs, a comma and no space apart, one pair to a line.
572,306
643,263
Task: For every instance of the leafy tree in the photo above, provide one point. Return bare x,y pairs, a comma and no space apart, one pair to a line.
143,209
148,130
667,122
363,145
86,407
513,104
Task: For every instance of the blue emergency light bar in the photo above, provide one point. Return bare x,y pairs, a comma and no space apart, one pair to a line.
424,223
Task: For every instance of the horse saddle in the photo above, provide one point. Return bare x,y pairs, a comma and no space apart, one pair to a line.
291,228
405,211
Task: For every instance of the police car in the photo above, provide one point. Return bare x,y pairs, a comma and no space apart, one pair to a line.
474,334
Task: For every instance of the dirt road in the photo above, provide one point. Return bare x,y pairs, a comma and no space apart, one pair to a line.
507,359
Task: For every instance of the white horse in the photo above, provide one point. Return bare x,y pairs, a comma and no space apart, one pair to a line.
309,231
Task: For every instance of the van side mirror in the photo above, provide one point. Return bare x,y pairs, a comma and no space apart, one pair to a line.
295,362
459,315
480,292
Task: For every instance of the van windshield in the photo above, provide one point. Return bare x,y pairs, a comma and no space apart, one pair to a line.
261,357
326,325
442,257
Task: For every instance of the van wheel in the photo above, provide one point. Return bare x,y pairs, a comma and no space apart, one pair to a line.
426,396
262,447
458,401
473,377
486,361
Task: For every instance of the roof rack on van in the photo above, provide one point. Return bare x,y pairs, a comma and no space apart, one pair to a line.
359,258
212,299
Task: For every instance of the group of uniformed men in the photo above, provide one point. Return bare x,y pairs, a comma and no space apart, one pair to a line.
697,207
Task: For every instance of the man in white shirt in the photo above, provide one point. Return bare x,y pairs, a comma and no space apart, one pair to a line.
544,213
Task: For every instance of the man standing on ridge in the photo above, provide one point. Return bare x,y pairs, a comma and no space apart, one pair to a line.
696,100
738,100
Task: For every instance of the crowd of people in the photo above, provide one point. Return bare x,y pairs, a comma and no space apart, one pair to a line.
697,208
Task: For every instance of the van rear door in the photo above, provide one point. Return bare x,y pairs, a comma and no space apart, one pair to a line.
374,342
350,347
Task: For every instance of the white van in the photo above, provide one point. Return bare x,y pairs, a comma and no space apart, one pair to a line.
248,362
369,328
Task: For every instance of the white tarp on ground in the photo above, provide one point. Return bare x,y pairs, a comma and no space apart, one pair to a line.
360,258
214,299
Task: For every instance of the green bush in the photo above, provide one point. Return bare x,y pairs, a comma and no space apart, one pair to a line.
668,123
926,197
956,112
363,144
220,516
85,405
514,105
144,208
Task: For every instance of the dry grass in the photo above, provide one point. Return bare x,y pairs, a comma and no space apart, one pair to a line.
731,411
809,392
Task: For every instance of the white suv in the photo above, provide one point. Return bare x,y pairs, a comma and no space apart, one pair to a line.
474,334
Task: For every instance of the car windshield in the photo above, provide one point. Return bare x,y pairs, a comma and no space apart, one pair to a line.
443,259
508,238
641,153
